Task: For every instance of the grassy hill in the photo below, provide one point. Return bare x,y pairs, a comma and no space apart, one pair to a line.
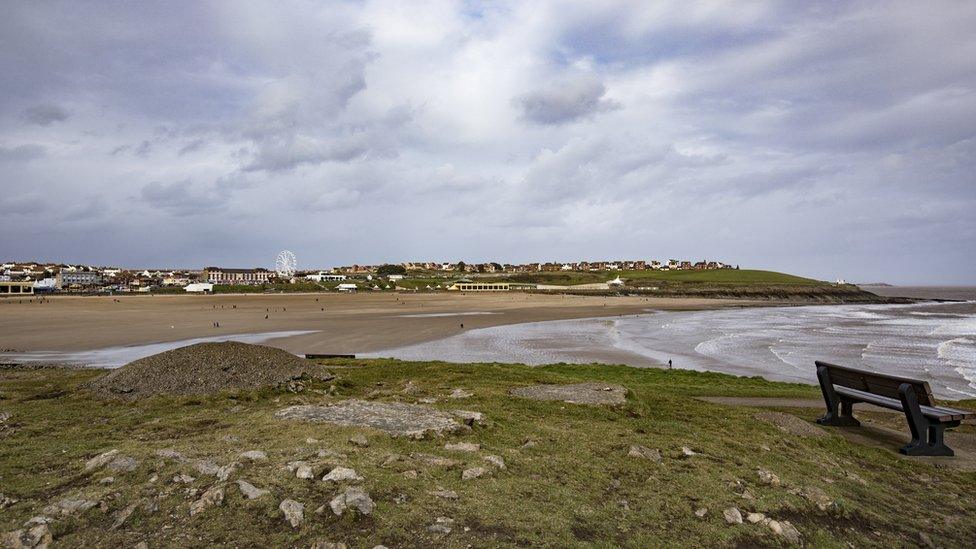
569,479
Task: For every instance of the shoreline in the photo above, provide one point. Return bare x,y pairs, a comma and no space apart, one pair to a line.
343,323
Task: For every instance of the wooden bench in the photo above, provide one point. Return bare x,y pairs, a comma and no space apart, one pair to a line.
844,387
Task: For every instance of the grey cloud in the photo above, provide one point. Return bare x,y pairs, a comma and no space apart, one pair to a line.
26,204
181,198
565,102
44,115
22,153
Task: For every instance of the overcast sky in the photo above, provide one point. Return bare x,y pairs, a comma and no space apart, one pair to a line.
829,139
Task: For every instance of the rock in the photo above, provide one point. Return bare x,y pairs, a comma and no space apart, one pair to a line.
4,416
755,518
169,453
183,479
124,515
123,464
359,440
732,515
444,494
294,512
818,497
36,537
410,474
226,471
342,474
251,491
529,444
352,498
427,400
141,545
462,447
645,453
311,440
767,477
469,418
328,545
397,419
304,471
687,452
255,455
473,473
100,460
497,461
6,502
785,530
411,388
205,467
106,480
442,525
460,393
212,497
701,512
69,506
576,393
435,461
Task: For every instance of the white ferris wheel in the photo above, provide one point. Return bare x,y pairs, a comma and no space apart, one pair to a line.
286,264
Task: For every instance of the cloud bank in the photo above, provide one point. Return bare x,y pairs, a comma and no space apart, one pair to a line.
828,140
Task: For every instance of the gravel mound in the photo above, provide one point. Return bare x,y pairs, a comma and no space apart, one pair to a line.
208,368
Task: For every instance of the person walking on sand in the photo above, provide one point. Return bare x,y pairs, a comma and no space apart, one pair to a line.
669,364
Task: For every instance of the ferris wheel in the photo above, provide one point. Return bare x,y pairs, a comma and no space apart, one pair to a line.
286,264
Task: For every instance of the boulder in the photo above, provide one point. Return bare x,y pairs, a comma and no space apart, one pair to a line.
100,460
254,455
352,498
293,511
342,474
462,447
497,461
251,491
212,497
732,515
473,473
644,452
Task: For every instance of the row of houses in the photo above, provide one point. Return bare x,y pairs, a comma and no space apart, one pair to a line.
580,266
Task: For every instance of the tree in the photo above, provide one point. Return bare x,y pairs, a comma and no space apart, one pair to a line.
387,270
461,266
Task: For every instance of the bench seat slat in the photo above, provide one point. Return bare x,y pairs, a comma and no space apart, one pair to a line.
934,412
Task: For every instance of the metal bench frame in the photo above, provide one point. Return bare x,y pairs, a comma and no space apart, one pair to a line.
926,421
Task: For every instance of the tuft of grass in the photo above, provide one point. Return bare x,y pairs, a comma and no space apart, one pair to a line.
575,487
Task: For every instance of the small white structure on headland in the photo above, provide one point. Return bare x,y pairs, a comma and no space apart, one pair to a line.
347,287
616,282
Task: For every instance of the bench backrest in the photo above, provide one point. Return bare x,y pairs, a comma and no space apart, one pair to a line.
879,384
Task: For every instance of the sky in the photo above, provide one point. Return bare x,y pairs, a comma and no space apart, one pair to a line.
827,139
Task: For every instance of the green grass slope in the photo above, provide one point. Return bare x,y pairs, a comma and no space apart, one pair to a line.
575,487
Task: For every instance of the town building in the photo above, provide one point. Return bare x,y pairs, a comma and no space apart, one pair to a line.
78,278
16,288
218,275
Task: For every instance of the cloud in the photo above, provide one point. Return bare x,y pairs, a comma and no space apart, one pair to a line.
181,198
21,153
510,131
45,115
568,101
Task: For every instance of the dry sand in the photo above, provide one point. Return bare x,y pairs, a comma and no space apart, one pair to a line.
349,323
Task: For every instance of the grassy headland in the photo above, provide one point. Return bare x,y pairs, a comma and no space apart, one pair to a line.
573,484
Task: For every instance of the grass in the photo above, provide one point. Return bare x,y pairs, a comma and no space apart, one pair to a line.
715,276
576,487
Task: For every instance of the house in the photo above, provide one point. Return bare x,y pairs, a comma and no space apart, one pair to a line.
199,287
347,287
322,277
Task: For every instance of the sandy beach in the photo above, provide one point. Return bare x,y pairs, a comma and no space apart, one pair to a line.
340,323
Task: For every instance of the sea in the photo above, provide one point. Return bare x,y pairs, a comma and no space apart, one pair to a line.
934,340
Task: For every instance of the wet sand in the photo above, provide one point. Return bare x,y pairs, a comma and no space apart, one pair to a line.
341,323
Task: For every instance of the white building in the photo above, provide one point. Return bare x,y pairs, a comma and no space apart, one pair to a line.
322,277
199,287
347,287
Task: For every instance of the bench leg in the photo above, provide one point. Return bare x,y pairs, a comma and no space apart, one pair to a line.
928,437
831,399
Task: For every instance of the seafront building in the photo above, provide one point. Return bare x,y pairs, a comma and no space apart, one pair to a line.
218,275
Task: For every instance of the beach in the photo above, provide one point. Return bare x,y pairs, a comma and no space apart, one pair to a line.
305,323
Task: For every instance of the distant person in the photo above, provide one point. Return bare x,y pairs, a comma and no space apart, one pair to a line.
462,325
669,364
